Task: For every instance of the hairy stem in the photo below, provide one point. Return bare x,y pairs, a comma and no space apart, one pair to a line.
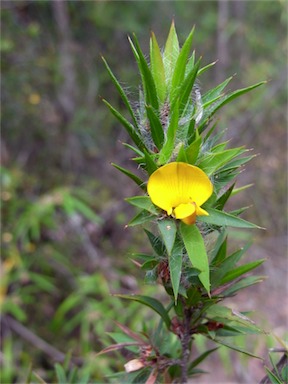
186,348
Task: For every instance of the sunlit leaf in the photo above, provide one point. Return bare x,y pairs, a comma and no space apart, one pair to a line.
171,52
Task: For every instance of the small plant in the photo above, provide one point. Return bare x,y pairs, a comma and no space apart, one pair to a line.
188,176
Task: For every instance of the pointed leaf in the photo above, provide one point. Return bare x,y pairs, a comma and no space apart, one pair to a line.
243,283
193,150
225,100
156,243
181,157
155,127
121,93
157,68
147,78
224,219
149,302
235,348
201,358
210,163
175,267
215,92
180,66
241,270
169,145
196,250
168,231
221,201
186,88
143,202
150,164
171,53
204,69
135,178
128,126
141,218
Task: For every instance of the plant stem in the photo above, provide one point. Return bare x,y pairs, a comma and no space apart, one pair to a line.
186,348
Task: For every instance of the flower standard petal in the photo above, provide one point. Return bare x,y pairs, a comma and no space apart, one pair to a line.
179,189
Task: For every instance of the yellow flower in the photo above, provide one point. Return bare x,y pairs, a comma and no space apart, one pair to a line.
180,189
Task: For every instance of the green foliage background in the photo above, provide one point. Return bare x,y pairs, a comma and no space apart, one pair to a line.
64,246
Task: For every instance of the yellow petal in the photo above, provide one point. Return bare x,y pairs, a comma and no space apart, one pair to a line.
178,183
184,210
201,212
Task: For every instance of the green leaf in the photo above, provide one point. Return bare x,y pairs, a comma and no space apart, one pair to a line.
215,92
185,89
244,283
143,202
241,270
169,145
225,100
150,164
168,231
224,219
61,375
156,243
237,93
221,201
272,377
140,218
11,307
155,127
210,163
151,303
200,358
157,68
235,348
221,254
175,267
220,239
136,150
85,210
226,315
44,283
171,53
225,266
133,177
196,250
127,125
193,150
121,93
180,65
181,157
147,78
204,69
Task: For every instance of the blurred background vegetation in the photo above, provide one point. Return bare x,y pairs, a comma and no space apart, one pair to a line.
65,248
